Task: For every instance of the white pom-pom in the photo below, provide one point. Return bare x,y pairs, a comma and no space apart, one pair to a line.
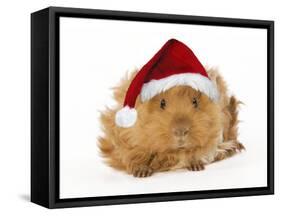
126,117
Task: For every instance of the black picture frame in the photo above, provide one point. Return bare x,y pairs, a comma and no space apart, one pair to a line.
45,106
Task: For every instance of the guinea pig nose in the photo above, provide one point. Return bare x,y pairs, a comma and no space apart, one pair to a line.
180,132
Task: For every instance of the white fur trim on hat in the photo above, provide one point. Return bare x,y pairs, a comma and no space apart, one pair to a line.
194,80
126,117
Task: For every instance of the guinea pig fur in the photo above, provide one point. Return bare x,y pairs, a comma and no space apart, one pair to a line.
178,128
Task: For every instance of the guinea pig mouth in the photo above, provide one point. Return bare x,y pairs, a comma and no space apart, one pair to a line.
181,144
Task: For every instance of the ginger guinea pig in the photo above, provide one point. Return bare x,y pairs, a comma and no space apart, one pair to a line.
179,124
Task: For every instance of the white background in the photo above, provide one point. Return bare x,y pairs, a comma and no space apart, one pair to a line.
15,108
95,55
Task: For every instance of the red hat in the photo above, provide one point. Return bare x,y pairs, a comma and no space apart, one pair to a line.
173,65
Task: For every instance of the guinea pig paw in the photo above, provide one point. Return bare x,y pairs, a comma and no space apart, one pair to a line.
237,147
142,171
240,147
196,166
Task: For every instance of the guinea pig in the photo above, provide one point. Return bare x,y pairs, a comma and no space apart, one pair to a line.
178,128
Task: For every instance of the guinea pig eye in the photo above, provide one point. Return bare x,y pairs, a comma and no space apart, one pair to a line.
195,102
163,104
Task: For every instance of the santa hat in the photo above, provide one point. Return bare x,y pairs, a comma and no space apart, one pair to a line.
173,65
